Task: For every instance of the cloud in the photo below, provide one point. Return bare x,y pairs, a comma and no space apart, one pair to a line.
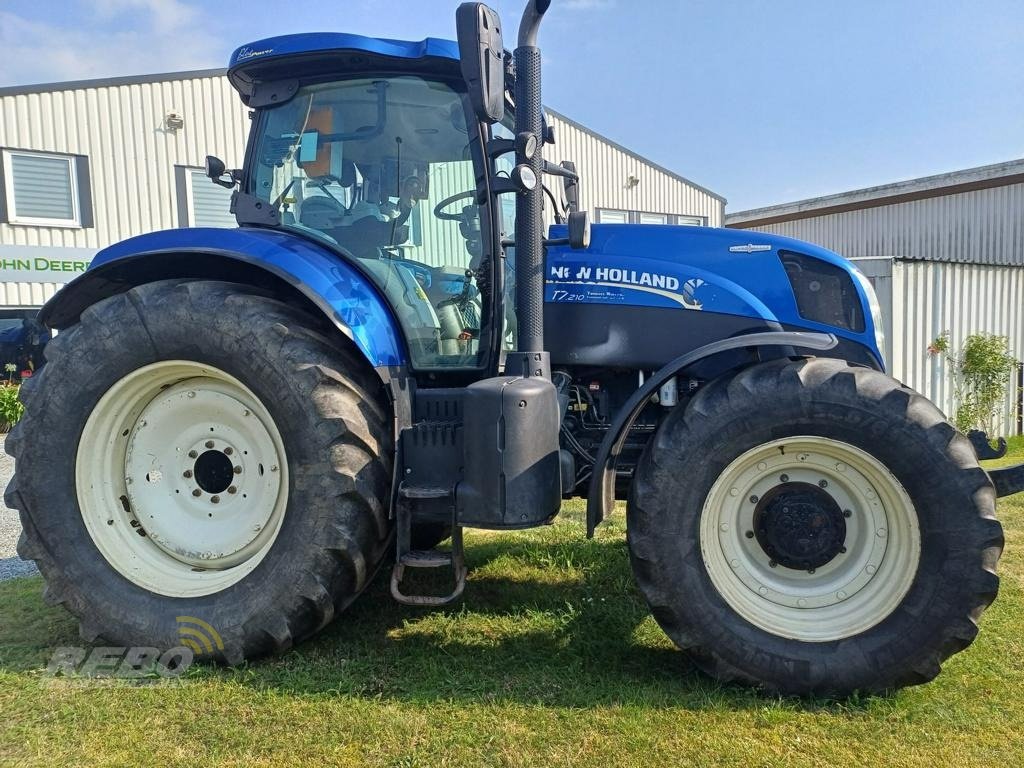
111,38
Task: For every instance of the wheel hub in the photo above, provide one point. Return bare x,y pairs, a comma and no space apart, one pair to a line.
213,471
799,526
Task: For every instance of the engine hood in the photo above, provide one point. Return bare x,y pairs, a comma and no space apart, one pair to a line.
702,269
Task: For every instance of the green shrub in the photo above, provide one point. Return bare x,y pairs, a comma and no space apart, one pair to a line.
10,406
981,377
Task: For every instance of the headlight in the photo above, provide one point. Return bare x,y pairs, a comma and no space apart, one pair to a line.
876,311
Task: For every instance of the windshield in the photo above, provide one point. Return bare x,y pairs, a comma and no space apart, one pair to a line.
382,168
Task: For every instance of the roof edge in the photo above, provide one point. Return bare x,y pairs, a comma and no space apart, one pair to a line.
108,82
955,182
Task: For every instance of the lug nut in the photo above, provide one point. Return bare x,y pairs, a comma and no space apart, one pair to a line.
810,570
749,534
842,550
209,443
823,483
197,492
228,451
847,513
232,489
753,499
215,499
192,454
772,563
784,478
187,473
238,470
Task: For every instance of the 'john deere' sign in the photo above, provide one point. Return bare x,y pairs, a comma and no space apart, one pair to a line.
42,264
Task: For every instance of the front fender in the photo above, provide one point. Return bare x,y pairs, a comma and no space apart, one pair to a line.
601,494
336,287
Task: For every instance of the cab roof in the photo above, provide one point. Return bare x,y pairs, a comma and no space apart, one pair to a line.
312,53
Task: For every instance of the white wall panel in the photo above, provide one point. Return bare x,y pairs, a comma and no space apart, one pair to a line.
132,153
931,298
605,169
26,294
984,226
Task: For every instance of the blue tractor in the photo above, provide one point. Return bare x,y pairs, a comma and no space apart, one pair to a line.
246,425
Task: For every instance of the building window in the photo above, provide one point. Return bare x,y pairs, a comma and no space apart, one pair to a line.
614,216
45,189
201,203
611,216
691,221
653,218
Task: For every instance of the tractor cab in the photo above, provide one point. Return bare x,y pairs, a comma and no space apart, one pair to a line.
373,149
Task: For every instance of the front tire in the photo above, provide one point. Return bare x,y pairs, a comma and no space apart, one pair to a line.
194,450
812,527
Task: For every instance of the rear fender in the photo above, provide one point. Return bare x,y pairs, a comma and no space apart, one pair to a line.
301,270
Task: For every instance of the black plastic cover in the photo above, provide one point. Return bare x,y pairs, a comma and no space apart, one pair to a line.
511,470
482,57
824,292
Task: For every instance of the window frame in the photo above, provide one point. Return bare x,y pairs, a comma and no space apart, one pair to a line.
184,182
79,220
635,216
600,219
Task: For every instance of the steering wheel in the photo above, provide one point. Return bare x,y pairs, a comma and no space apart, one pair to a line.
440,213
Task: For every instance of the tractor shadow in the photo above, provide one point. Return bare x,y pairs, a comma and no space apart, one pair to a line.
543,623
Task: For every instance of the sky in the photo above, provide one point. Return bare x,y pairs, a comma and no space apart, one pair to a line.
761,101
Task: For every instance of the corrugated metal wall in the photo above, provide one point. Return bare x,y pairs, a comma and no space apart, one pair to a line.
930,298
132,154
921,300
604,170
984,226
26,294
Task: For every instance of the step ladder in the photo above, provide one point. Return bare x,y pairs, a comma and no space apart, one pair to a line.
406,557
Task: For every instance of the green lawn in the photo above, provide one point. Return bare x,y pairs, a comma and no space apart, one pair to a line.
551,660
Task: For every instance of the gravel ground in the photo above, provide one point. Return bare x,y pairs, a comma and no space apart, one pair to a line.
11,566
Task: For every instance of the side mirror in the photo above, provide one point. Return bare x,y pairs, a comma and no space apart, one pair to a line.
579,230
215,170
482,56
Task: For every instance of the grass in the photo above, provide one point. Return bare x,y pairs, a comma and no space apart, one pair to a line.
552,659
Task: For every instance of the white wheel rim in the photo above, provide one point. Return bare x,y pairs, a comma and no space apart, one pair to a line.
182,478
855,590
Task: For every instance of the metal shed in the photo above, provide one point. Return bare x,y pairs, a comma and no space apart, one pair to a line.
110,159
945,253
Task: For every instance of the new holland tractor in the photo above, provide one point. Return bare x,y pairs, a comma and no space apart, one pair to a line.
396,342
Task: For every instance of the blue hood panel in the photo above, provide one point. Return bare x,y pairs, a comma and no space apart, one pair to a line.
728,271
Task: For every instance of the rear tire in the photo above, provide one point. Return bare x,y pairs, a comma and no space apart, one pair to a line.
875,570
265,553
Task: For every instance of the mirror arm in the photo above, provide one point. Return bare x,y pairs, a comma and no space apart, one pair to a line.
498,147
554,169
